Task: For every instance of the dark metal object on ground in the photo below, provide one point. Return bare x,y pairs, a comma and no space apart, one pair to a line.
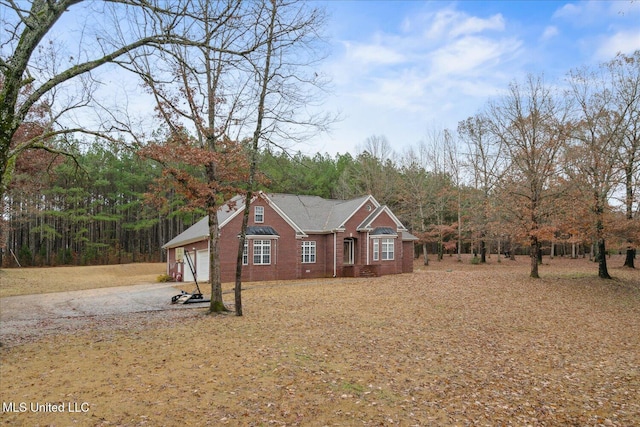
185,297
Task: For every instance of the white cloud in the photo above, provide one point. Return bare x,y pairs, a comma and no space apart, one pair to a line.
623,41
592,12
450,23
467,55
584,12
568,10
404,91
372,54
474,25
550,32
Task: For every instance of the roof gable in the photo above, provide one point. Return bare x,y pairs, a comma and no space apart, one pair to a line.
346,210
315,214
197,232
305,214
200,230
367,224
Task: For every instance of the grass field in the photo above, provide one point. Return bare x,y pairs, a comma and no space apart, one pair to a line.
450,344
26,281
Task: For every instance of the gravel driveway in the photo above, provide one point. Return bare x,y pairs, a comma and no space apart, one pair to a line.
26,317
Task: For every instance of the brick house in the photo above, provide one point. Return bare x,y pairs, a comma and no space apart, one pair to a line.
298,237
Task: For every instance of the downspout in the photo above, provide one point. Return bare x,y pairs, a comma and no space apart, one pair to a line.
367,248
335,255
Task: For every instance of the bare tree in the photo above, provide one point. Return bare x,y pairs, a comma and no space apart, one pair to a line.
599,128
485,160
454,165
427,189
625,76
36,74
239,84
201,88
285,84
47,82
415,192
374,172
529,122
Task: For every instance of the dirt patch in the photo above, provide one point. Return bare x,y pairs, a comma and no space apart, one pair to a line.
451,344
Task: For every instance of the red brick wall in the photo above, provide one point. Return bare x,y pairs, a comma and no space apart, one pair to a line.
408,253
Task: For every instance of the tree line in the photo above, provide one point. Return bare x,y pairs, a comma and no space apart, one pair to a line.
99,206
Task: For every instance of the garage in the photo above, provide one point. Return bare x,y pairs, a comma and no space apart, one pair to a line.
202,265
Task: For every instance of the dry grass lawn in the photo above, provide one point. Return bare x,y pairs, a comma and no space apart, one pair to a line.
451,344
27,281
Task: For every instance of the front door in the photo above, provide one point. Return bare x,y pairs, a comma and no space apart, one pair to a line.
349,251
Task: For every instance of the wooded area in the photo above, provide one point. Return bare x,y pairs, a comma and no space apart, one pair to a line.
96,208
547,167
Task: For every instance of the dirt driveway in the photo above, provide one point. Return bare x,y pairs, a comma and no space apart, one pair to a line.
27,316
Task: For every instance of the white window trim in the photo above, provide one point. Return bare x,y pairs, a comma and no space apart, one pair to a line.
376,249
258,212
245,253
388,255
309,252
262,244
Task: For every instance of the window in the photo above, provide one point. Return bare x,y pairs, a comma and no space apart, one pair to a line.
245,253
258,214
262,252
387,249
308,252
376,249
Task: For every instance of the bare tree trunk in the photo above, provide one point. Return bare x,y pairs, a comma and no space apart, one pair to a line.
603,273
534,257
424,253
629,258
241,243
459,227
216,305
631,251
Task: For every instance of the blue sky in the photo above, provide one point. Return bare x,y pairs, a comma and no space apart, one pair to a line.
403,68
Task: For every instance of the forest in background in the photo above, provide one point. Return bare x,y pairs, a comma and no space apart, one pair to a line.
96,207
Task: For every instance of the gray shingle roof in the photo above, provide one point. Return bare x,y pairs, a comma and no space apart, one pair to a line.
195,233
307,213
200,229
406,236
313,213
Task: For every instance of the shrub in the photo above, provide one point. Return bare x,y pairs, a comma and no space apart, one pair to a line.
163,278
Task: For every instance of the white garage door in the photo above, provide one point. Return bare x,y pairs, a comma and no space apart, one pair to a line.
188,277
202,266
